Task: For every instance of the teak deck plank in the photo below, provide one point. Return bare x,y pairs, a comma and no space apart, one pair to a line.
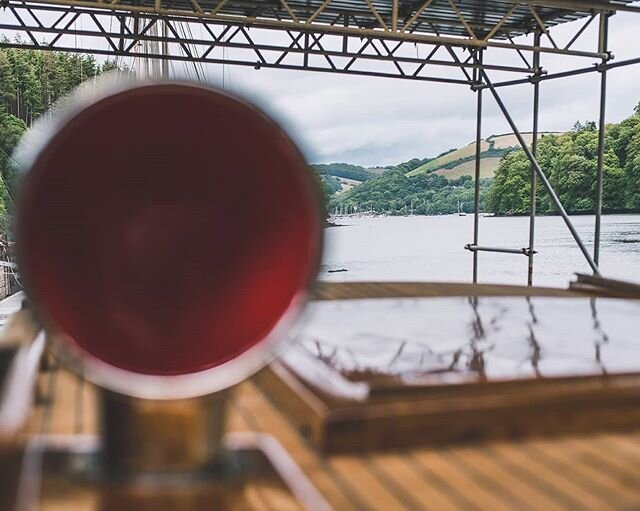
621,462
575,472
602,480
564,488
368,485
270,496
421,489
629,443
533,497
474,489
262,416
625,449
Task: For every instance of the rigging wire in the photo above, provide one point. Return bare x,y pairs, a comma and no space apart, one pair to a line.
187,34
198,64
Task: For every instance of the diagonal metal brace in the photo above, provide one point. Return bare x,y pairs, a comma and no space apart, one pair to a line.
543,178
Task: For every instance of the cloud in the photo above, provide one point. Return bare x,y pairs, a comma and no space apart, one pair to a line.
380,121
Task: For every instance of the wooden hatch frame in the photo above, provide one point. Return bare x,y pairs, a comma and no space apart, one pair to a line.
401,416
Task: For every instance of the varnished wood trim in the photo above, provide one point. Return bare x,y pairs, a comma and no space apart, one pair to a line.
359,290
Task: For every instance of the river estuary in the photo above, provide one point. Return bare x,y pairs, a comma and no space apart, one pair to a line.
431,248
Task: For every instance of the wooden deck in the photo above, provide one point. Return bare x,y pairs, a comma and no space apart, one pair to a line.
594,472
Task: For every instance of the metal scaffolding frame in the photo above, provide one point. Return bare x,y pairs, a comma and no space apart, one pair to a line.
424,40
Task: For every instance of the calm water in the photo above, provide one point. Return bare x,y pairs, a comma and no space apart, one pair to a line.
432,248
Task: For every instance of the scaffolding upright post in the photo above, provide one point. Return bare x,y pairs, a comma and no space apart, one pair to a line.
476,196
602,48
541,175
165,51
534,151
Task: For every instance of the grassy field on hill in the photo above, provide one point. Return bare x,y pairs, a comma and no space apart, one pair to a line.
459,154
456,163
488,167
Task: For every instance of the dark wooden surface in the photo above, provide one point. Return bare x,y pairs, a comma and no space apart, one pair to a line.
594,471
70,419
396,372
573,472
453,416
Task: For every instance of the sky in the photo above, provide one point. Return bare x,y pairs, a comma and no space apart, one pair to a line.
373,121
383,121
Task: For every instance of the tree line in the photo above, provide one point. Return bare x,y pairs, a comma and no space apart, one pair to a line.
345,170
570,163
394,193
31,82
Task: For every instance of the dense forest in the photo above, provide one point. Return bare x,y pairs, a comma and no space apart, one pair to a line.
570,163
345,170
394,193
414,163
330,173
31,82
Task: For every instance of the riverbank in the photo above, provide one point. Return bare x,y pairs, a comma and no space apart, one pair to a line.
489,214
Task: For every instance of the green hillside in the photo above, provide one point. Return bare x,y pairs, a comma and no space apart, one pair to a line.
570,162
456,163
452,157
394,193
488,167
345,170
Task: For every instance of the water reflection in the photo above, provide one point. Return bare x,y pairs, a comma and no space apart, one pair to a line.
536,351
476,360
479,339
601,338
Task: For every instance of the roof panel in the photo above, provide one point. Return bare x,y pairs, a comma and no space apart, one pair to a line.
439,16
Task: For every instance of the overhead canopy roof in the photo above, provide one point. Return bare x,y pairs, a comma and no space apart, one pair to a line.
465,18
390,38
